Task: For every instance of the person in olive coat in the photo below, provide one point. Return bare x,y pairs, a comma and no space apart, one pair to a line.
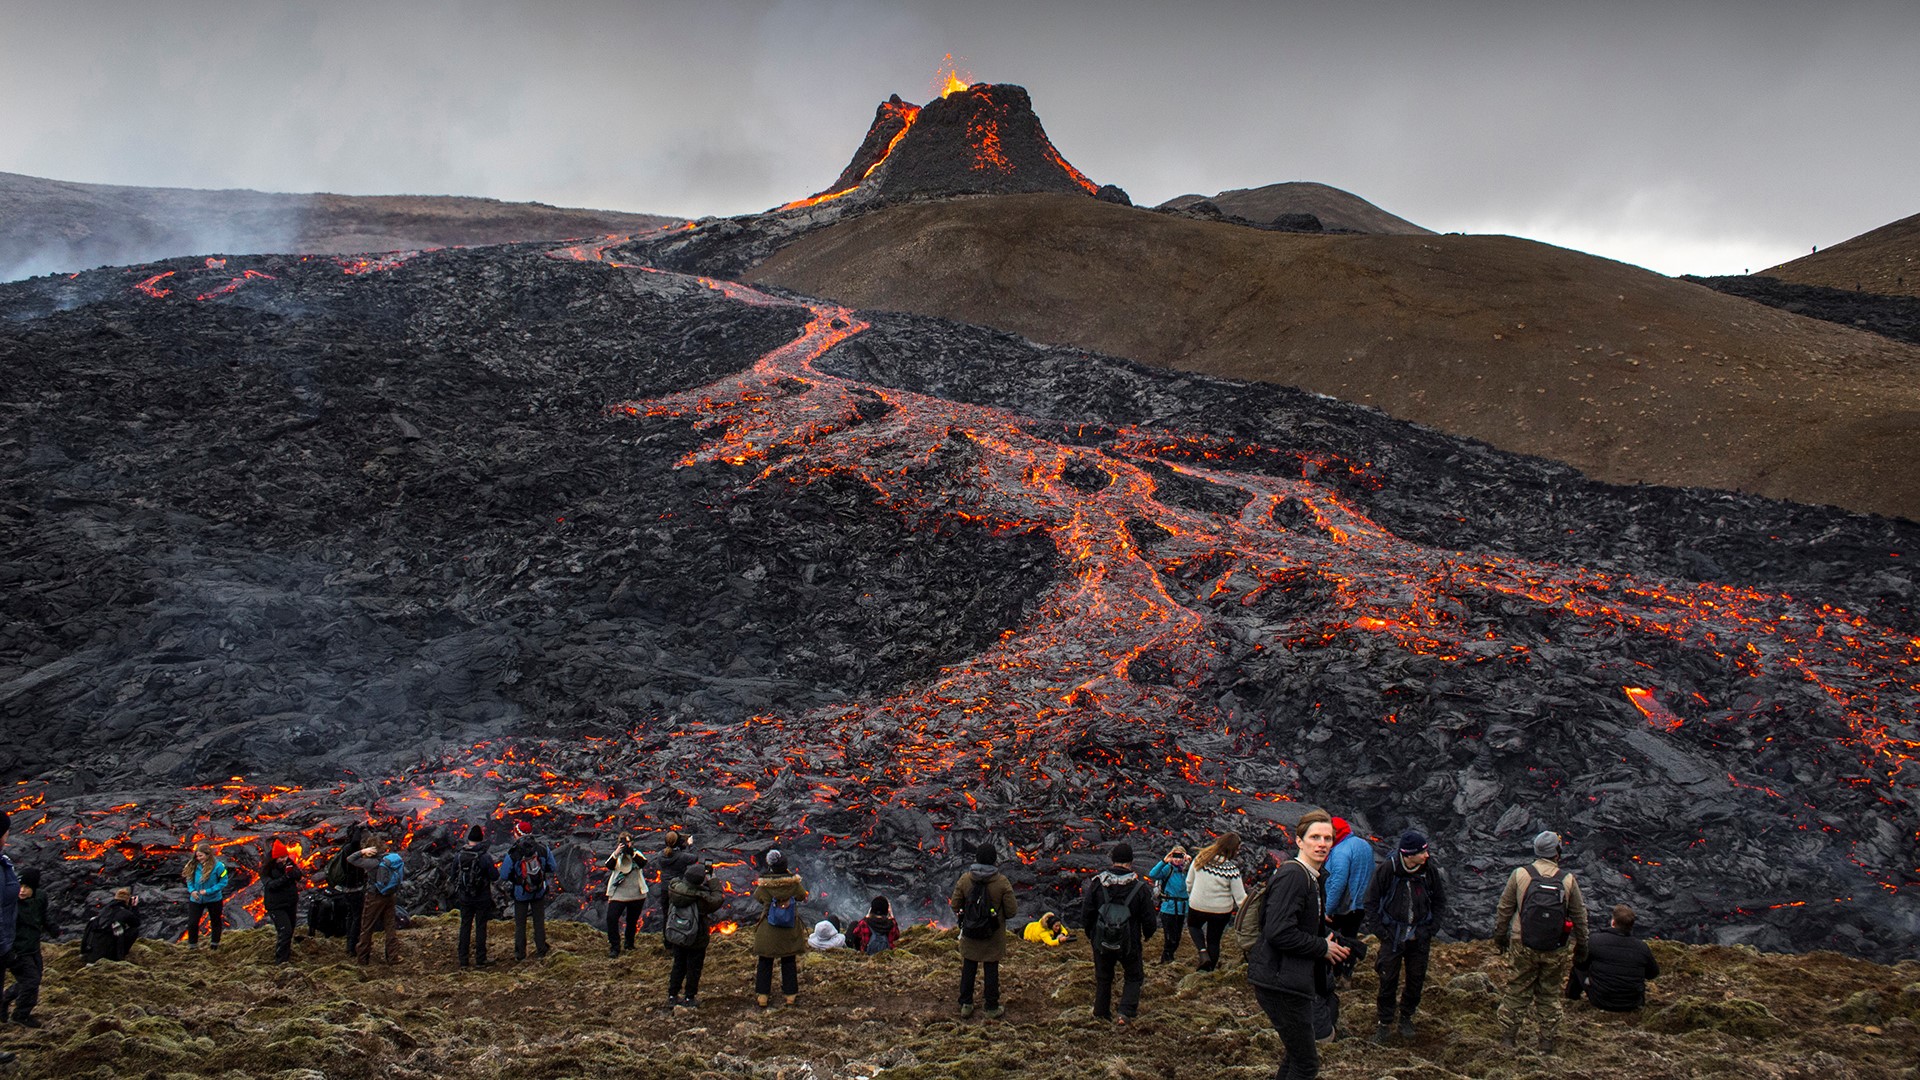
983,947
779,893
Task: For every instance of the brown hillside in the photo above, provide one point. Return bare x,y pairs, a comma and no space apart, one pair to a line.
1336,209
1628,375
1885,261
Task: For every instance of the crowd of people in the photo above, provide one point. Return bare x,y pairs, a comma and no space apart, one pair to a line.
1298,923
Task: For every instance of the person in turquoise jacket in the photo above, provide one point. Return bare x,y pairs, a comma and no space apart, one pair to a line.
1349,872
206,878
1171,875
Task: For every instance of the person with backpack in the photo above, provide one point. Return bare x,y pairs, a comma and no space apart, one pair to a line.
1214,893
207,880
474,872
28,965
878,932
530,868
1540,911
110,934
690,900
280,897
1614,976
379,910
1349,872
676,855
983,899
1117,913
626,892
1406,901
1170,876
780,934
346,886
1290,959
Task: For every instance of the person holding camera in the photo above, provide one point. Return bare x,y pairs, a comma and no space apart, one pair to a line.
780,934
626,893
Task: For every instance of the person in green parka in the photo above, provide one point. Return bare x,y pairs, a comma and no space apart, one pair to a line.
983,901
781,934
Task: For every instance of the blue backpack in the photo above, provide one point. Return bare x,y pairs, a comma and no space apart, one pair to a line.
780,912
389,874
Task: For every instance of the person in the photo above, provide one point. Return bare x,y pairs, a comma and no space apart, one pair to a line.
1171,874
1117,913
9,914
780,934
1047,930
474,872
626,893
1406,901
379,909
530,868
878,932
280,897
1215,892
983,899
110,934
1614,976
31,923
1540,909
1290,965
826,936
1349,872
676,855
687,938
207,879
348,883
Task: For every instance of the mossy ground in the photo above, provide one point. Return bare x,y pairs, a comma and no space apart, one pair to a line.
1716,1012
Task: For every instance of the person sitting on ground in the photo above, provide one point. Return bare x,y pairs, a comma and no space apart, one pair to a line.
983,900
110,934
207,879
1215,893
1171,873
28,965
878,932
826,936
779,935
1614,975
690,901
1117,914
626,893
1047,930
280,897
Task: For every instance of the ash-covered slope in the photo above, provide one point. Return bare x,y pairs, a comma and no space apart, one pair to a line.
1333,208
1883,261
492,535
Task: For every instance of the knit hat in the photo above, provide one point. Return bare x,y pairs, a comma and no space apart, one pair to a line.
777,861
1341,830
1547,845
880,907
476,834
523,828
30,877
1412,843
696,874
278,850
985,854
1123,854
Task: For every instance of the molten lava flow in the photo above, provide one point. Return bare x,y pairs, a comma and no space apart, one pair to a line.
151,286
1657,714
234,284
375,264
901,112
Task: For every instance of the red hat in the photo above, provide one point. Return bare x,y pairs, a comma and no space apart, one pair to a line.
523,828
1341,830
279,850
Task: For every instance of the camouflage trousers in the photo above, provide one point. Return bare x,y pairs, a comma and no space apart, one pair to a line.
1540,979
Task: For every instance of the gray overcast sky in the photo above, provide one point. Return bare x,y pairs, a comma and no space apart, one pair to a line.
1704,137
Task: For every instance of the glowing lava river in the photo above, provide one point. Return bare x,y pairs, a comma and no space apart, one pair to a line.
1234,626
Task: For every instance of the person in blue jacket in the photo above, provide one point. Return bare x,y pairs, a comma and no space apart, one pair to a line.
1171,874
207,879
530,869
1349,872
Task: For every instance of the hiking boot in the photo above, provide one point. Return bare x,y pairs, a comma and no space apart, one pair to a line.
792,999
996,1013
26,1021
1122,1020
1510,1040
1546,1045
1406,1027
1381,1034
689,1003
613,954
966,1009
760,1001
673,1001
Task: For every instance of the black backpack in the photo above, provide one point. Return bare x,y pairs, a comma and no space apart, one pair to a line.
1113,923
979,919
683,924
101,939
1544,924
472,874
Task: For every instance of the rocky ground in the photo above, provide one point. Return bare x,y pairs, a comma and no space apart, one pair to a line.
1896,317
1882,262
1715,1012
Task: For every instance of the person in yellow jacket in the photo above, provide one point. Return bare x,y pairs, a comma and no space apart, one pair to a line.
1047,930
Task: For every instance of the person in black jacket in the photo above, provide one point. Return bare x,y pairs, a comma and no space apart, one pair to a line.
1618,965
1405,901
1292,962
31,923
280,896
1118,884
111,933
473,874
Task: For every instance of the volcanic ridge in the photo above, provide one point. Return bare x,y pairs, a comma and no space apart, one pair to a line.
590,536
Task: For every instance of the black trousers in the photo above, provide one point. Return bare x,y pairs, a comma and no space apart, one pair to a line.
1292,1018
473,932
789,975
354,901
1413,959
970,970
1209,930
1135,973
282,919
619,912
1170,936
215,919
687,965
523,910
25,966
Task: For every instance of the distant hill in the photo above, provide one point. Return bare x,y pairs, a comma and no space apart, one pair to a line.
1628,375
1336,209
1885,261
49,226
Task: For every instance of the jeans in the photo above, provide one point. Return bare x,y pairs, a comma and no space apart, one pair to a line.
1170,936
282,919
25,965
789,975
618,912
376,912
687,964
521,910
1292,1018
1214,928
1413,957
215,920
970,970
1135,973
473,931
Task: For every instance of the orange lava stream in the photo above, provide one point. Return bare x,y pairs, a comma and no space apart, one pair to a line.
908,114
